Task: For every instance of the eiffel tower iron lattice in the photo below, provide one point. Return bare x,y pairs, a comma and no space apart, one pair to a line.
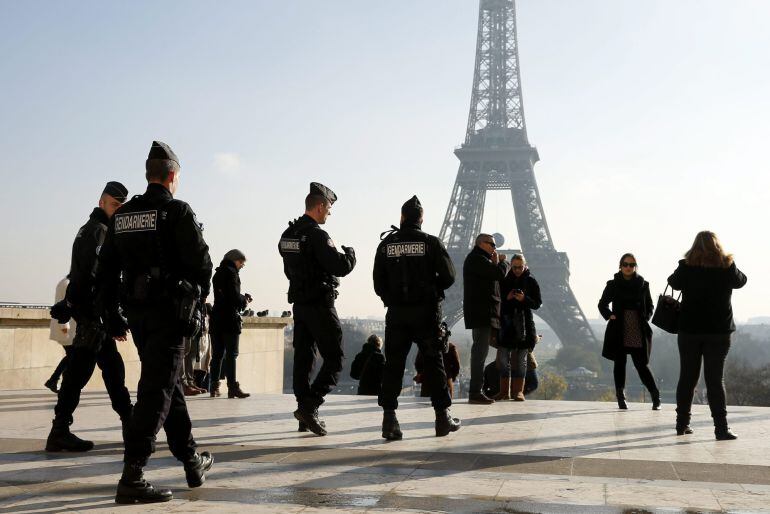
496,155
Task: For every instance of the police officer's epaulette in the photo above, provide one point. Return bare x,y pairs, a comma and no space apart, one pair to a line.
385,234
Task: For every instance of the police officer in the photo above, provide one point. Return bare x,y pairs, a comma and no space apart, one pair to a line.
312,264
91,346
156,256
412,270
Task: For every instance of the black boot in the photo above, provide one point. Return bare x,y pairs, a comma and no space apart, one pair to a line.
391,430
234,391
309,417
303,427
51,384
133,488
215,389
722,432
195,469
446,423
61,439
655,400
621,394
683,422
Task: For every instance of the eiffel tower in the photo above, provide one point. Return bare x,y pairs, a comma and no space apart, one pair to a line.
496,155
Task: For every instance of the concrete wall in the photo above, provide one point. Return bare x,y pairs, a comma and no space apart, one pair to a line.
28,356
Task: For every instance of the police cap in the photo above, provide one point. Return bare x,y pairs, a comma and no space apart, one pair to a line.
412,209
116,190
316,188
160,150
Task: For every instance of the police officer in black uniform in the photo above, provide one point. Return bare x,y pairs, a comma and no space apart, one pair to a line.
312,264
91,345
412,270
157,265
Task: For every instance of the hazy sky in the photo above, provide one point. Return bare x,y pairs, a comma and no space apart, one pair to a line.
651,119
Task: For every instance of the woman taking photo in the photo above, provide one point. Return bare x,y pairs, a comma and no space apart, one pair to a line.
521,295
706,277
628,331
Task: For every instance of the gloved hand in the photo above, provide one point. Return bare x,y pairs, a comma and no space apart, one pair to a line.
248,298
349,252
61,311
117,326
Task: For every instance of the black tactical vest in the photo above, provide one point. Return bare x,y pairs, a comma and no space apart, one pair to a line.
409,259
308,282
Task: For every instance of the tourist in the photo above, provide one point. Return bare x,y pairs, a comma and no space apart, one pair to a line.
628,331
706,277
226,322
521,295
368,366
483,270
62,333
451,359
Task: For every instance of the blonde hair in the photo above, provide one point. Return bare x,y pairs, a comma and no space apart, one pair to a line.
707,251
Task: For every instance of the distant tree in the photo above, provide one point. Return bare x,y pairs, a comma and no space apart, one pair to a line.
551,386
576,355
746,384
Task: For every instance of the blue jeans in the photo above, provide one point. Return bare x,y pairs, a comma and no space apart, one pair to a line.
512,362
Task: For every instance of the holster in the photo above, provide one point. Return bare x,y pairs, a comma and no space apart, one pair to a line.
89,334
187,312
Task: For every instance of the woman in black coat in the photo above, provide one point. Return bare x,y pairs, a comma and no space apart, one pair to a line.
706,277
628,330
521,295
225,329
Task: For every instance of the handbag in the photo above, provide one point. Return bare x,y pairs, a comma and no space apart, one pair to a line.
667,311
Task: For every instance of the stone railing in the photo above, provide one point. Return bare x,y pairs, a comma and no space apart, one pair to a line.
28,356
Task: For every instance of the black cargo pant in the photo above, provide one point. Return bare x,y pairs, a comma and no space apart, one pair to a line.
404,325
711,350
159,398
316,326
81,363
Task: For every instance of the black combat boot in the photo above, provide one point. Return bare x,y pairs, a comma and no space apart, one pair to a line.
446,423
51,384
303,427
391,430
234,391
133,488
621,395
195,469
309,418
62,440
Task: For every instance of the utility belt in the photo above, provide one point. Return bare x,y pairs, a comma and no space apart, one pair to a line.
153,288
323,293
89,334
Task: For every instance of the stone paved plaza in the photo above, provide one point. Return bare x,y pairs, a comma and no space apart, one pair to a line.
510,457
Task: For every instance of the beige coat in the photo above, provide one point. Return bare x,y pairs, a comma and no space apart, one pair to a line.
62,333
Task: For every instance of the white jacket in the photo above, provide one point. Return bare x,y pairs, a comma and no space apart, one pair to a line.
62,333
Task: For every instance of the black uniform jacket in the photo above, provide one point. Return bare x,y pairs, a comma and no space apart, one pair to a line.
228,300
155,234
481,289
633,294
706,297
311,262
412,267
83,267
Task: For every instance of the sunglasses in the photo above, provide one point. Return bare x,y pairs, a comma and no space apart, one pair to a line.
491,243
629,264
